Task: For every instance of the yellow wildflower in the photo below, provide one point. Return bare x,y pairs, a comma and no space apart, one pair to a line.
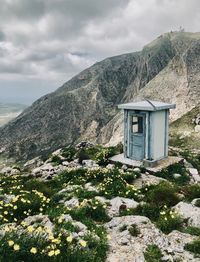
51,253
10,243
33,250
83,243
57,252
69,239
16,247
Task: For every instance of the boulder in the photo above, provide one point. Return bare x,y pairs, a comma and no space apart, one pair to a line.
118,203
42,220
147,180
125,247
189,212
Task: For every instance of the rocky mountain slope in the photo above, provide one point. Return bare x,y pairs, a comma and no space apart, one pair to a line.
86,106
9,111
185,131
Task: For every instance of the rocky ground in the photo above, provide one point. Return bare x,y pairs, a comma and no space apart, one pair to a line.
77,206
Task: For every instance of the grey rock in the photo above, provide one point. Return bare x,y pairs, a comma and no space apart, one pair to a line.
189,212
137,169
39,219
176,175
72,203
89,187
147,180
194,201
117,202
124,167
110,166
123,245
89,163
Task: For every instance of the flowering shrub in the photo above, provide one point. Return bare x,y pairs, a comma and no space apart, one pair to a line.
169,220
23,205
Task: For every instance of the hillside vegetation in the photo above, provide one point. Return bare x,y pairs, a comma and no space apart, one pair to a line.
76,206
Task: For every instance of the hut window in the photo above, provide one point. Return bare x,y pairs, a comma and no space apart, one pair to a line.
137,124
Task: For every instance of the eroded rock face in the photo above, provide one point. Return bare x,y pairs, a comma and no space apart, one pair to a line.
190,212
124,246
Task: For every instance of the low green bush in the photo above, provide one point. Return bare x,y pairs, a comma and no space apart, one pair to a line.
169,172
56,160
69,153
192,230
193,247
191,191
153,254
151,211
169,221
41,186
134,230
163,194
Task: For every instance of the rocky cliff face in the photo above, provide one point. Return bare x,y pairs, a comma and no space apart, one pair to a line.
86,106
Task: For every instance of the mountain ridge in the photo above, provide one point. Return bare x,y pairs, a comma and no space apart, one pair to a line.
85,107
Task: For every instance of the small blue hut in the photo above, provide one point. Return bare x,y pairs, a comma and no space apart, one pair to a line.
146,130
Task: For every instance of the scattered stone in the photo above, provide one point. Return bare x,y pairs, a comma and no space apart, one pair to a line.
72,203
137,169
176,176
195,175
6,198
124,167
89,187
69,189
89,163
189,212
85,144
110,166
65,163
197,128
67,218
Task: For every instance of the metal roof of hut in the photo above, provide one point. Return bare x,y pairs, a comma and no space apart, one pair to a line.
147,105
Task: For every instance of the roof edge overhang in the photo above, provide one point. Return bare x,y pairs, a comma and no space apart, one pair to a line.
150,107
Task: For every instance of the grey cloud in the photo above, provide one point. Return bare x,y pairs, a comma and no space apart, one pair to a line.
52,40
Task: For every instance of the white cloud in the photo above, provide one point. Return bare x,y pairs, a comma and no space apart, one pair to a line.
50,41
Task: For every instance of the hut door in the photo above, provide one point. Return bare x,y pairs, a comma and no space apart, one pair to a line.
136,147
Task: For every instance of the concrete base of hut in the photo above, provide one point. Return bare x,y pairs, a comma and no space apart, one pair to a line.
161,164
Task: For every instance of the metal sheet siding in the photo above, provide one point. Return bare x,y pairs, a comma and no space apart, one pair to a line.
158,137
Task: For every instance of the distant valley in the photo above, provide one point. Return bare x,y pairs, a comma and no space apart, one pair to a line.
9,112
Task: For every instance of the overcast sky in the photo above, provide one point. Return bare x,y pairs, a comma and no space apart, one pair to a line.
43,43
